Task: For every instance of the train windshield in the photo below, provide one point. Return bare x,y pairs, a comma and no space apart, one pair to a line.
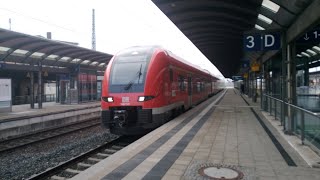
128,72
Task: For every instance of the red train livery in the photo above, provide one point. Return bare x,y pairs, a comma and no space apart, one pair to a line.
144,87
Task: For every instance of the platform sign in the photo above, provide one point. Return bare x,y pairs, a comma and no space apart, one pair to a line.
262,42
312,36
252,42
5,95
5,89
271,41
255,67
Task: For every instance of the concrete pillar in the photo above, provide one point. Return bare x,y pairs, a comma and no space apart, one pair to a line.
40,86
31,90
283,81
262,79
254,87
306,71
291,84
293,74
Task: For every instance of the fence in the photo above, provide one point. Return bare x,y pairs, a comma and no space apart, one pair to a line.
27,99
305,124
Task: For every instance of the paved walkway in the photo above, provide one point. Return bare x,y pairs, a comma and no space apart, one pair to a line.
48,107
227,134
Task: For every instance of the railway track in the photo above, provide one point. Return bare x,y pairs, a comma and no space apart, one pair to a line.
21,141
77,164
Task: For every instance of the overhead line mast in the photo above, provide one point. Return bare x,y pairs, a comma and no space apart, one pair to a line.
93,31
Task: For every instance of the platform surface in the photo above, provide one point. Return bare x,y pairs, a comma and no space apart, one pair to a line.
223,133
48,107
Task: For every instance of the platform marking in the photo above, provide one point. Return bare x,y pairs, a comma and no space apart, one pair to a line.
124,169
22,112
276,143
161,168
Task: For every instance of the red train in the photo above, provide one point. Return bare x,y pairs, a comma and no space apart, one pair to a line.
144,87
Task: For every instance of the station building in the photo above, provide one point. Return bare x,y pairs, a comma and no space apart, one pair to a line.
36,69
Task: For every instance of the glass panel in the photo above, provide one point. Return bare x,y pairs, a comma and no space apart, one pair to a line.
5,104
312,129
127,67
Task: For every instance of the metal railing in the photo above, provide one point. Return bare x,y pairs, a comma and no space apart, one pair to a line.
294,119
17,100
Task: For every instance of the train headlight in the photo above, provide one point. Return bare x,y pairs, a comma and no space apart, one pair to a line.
145,98
108,99
141,98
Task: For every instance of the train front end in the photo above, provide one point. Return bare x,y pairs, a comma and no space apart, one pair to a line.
123,96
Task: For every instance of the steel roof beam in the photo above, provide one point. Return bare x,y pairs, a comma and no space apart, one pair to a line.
18,46
209,30
228,9
212,34
72,50
28,54
209,16
308,18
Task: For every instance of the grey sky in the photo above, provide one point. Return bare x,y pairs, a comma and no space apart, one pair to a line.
119,24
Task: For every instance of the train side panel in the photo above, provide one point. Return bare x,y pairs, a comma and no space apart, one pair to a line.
167,92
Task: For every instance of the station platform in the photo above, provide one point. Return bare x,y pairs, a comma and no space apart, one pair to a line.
221,138
24,120
23,111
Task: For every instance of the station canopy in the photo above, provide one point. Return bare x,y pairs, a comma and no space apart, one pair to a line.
216,27
17,49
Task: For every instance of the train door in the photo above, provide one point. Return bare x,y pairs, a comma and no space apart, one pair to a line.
189,91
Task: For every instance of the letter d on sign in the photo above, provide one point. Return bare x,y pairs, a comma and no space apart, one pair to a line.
268,40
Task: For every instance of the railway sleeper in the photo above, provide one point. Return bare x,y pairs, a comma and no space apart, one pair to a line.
110,151
116,147
55,177
73,171
103,155
94,159
83,165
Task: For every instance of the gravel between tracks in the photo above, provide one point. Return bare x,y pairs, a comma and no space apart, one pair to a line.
22,163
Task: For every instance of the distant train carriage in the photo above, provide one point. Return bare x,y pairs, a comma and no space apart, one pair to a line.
144,87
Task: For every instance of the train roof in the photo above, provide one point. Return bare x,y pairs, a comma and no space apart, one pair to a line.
189,63
142,49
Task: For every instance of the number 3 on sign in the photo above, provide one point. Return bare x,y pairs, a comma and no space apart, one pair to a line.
250,42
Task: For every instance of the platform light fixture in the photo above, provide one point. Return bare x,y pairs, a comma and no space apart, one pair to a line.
273,7
316,48
305,54
311,52
258,27
264,19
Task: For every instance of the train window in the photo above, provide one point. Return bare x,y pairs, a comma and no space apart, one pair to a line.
201,86
181,83
171,75
129,69
198,87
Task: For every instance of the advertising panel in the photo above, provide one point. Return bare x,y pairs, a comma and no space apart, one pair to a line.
5,89
5,95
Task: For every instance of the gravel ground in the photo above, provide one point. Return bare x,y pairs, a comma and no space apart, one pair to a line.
23,163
